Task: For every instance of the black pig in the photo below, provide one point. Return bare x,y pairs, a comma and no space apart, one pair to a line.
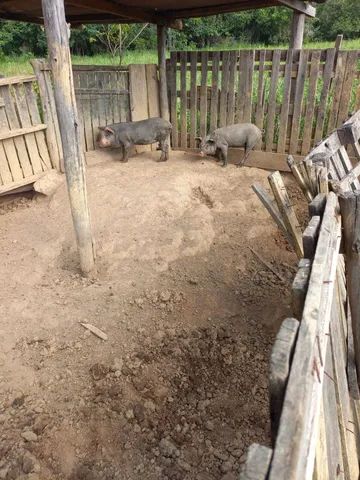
143,132
244,135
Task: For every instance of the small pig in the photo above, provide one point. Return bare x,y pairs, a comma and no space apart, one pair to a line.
217,143
143,132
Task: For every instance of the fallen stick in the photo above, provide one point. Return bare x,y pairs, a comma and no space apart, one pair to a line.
96,331
267,265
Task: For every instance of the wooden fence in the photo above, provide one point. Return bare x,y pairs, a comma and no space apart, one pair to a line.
108,94
314,391
24,153
296,96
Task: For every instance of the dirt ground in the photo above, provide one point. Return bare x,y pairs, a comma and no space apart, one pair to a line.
179,389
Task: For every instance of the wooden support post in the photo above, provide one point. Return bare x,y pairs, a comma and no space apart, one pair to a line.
59,54
350,213
297,31
163,91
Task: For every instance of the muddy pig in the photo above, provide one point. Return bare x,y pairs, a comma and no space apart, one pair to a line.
217,143
144,132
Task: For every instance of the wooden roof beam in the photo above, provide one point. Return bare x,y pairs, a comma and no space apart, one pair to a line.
299,6
126,11
217,9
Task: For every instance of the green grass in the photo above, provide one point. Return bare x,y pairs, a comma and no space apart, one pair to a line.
10,66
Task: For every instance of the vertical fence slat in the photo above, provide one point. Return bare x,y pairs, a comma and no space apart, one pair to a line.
193,98
249,72
214,91
183,99
351,65
173,99
35,120
241,88
328,71
310,103
231,96
203,94
30,140
284,115
270,118
299,93
23,154
5,171
259,112
224,89
337,88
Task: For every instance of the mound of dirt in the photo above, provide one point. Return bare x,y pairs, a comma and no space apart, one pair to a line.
179,389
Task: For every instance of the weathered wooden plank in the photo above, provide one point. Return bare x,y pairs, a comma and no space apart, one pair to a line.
287,211
138,98
257,463
259,113
300,286
310,103
333,439
248,87
22,131
173,100
203,94
272,208
310,237
328,71
298,102
298,432
337,89
37,165
299,178
183,100
224,89
240,107
280,364
10,187
152,84
323,180
231,94
339,356
351,66
9,120
270,119
15,80
55,150
214,91
87,115
317,205
162,85
193,98
35,120
284,115
321,471
5,173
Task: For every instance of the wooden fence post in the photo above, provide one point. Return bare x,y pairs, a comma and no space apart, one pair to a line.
57,34
297,31
350,213
163,91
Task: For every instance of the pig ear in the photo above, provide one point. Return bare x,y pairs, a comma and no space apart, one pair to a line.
101,128
110,130
211,140
199,139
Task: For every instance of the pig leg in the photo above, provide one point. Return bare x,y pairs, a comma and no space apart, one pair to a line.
126,150
246,154
223,154
164,147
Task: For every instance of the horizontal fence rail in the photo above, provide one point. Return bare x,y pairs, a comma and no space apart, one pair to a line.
296,96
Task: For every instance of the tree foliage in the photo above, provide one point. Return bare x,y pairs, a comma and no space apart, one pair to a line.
268,26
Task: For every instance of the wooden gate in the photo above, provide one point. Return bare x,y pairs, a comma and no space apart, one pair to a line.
297,97
24,153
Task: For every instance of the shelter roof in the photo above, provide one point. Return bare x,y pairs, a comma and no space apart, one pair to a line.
129,11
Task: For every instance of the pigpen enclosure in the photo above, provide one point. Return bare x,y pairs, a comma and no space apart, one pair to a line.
303,101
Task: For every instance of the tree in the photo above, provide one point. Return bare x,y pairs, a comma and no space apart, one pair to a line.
337,17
